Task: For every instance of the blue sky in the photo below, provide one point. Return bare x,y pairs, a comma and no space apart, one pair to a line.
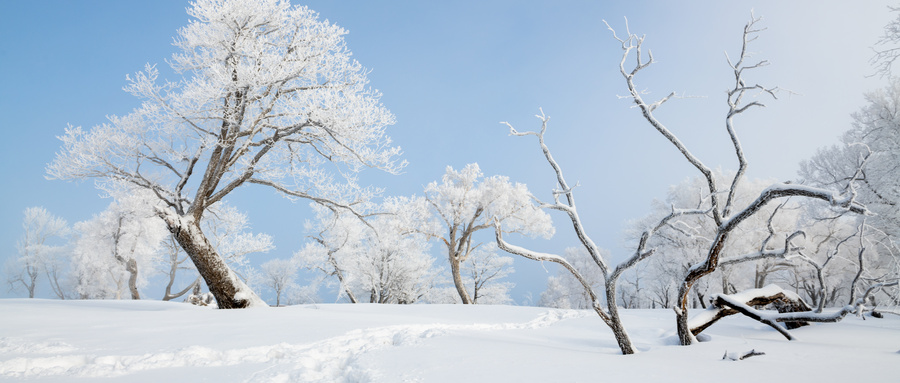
450,72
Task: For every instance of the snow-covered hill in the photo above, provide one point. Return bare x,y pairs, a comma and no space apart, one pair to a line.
151,341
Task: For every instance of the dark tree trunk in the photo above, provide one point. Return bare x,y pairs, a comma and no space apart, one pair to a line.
615,322
132,269
229,291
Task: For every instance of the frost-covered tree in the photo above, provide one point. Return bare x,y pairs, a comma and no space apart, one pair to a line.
887,49
117,249
39,252
380,260
280,276
483,271
824,263
464,203
874,137
270,96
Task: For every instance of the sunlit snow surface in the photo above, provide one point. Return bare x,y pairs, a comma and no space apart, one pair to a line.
151,341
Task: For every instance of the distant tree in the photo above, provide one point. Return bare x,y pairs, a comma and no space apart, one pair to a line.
118,248
868,162
381,260
279,275
887,49
564,291
38,252
484,270
874,138
463,203
270,96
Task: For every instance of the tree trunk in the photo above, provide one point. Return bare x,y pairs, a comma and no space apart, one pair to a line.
615,322
230,292
458,282
132,269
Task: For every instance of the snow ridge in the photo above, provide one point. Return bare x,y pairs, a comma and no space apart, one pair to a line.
329,360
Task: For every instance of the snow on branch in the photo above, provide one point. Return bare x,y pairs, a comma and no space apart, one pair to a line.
564,189
780,190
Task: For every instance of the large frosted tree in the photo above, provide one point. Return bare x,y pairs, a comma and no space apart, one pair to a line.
269,96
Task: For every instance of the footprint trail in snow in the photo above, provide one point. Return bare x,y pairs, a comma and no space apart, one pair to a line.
328,360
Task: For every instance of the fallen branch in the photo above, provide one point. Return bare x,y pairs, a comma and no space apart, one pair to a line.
784,302
734,356
729,302
792,311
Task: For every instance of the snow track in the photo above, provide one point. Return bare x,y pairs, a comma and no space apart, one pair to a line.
328,360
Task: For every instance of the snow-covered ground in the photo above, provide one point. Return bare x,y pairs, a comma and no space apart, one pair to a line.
152,341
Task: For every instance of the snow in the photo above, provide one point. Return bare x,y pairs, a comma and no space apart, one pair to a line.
151,341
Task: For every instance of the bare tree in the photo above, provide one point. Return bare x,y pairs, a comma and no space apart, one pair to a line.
727,217
270,96
610,313
720,204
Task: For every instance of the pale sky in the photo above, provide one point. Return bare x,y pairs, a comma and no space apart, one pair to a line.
450,72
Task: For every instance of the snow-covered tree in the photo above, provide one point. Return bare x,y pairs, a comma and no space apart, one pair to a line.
874,137
117,249
381,260
39,252
464,203
887,49
269,96
868,161
280,276
483,271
